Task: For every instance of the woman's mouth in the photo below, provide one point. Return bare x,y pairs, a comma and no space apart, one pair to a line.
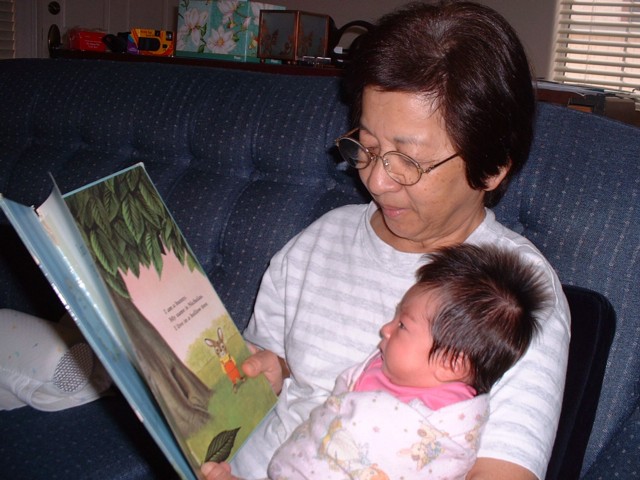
391,212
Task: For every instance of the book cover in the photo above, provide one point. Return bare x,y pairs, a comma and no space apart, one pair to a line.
123,269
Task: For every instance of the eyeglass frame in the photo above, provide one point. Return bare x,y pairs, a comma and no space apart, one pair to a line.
374,156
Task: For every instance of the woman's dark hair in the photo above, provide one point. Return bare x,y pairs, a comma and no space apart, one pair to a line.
487,314
467,58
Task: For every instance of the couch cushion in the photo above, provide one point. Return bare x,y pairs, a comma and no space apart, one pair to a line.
244,160
621,459
102,439
578,200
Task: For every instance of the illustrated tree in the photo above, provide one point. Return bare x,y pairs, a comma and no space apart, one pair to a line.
126,226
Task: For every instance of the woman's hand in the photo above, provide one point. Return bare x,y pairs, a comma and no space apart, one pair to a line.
275,369
217,471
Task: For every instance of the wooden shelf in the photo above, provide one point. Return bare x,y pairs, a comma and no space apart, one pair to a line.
322,71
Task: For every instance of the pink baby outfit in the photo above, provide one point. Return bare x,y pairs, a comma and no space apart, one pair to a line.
373,379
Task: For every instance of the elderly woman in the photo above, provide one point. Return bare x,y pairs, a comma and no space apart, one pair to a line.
444,108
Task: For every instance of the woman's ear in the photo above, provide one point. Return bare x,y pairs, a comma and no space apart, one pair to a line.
495,180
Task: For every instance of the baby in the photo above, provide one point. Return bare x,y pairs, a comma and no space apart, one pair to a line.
416,407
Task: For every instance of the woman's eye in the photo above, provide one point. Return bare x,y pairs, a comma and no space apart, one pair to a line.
372,150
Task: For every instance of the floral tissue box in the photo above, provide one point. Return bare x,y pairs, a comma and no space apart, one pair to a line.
223,29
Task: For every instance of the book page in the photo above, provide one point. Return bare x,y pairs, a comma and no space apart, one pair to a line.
60,273
185,344
123,269
180,302
62,230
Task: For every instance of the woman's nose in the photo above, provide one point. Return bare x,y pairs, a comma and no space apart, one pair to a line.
376,179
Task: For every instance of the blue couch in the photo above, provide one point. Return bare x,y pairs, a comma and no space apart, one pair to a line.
244,160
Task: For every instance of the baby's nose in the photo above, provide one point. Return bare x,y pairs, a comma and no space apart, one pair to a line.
386,329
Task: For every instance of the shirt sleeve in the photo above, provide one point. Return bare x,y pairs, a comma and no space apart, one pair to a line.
266,328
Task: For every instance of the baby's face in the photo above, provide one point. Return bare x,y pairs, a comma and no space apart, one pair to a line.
406,341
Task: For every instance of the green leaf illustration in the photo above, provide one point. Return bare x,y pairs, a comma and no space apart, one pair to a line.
99,215
118,285
110,184
123,232
149,215
126,225
120,245
178,249
132,261
77,208
221,446
154,250
132,218
133,179
110,203
102,249
166,233
191,263
151,198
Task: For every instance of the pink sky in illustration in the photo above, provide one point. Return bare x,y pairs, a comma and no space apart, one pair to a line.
180,304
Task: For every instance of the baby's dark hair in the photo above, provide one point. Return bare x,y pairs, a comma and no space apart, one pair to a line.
490,300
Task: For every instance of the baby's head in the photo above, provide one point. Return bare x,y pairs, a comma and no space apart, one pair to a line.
470,317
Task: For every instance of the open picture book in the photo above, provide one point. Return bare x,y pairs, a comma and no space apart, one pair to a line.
123,269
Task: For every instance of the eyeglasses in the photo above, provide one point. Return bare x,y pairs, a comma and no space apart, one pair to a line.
400,167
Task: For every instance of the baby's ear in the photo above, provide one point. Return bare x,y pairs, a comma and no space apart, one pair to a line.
462,366
453,369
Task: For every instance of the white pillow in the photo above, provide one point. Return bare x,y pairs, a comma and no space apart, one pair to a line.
46,365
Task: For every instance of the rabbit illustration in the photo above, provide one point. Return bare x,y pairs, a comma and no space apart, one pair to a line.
227,362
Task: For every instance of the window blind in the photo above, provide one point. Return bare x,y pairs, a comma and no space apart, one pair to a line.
7,42
598,44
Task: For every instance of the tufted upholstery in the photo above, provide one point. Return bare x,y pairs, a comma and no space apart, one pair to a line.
228,151
244,161
578,200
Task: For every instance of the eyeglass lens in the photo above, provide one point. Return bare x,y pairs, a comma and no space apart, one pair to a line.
354,154
399,168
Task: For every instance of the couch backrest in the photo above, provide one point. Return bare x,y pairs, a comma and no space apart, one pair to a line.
578,200
245,160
